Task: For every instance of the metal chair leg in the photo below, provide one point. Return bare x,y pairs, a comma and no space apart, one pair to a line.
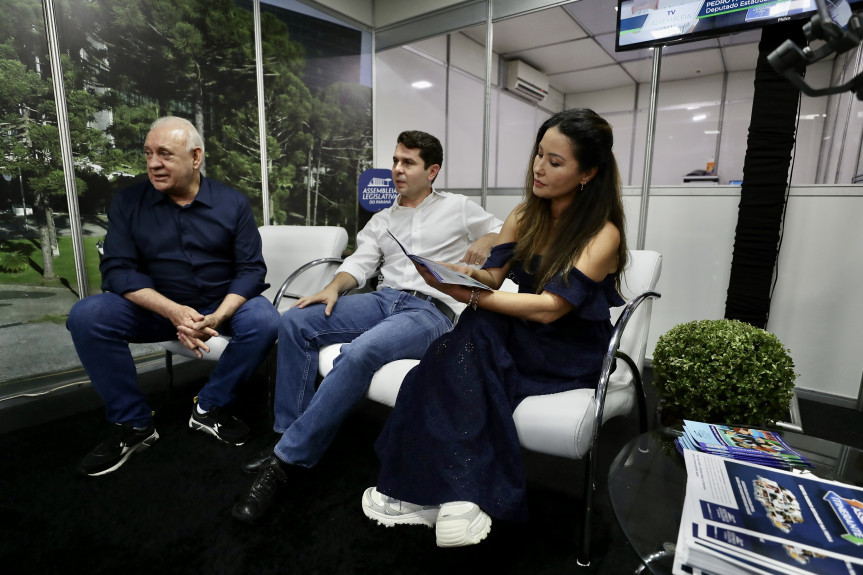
169,365
639,390
590,472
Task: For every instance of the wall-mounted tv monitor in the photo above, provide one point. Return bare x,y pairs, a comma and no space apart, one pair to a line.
645,23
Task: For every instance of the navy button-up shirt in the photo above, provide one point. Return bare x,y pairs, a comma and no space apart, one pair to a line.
194,255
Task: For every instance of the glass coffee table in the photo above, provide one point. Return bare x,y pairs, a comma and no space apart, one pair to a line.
647,485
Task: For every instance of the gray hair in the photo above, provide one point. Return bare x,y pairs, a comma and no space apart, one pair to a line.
193,138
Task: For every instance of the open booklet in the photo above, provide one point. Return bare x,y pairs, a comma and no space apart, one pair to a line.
443,274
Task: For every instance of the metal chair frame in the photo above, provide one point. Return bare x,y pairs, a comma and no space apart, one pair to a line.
608,364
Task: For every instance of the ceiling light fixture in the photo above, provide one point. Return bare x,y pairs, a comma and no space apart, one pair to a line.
421,85
699,117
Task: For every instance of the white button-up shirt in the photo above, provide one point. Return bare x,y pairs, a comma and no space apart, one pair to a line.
441,228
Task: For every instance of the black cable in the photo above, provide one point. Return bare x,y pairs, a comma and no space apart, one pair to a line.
784,210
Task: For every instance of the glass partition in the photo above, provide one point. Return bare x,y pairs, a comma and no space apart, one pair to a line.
126,64
37,269
318,104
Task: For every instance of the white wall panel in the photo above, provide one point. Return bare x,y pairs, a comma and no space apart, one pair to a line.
463,144
810,131
844,125
621,125
735,126
640,138
631,209
851,138
493,140
467,55
501,206
434,47
516,132
617,107
554,102
604,101
695,235
681,144
401,107
816,308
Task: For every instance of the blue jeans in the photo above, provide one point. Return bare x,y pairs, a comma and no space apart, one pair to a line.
103,325
378,327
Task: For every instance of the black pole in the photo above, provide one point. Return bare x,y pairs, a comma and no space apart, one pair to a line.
765,181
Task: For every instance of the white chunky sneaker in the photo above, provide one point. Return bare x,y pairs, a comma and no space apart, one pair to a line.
461,523
389,511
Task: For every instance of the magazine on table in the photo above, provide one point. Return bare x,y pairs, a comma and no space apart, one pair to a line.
744,443
442,273
743,517
685,442
720,550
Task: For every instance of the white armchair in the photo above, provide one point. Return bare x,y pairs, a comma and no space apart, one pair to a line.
300,261
567,424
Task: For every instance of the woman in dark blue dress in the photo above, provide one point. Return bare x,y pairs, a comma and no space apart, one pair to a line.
450,446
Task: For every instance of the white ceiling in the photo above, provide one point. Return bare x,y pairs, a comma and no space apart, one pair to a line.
573,45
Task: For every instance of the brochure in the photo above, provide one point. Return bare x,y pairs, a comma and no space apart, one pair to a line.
744,443
740,517
442,273
710,546
685,442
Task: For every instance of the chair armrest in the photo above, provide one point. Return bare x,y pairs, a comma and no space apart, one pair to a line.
612,352
299,271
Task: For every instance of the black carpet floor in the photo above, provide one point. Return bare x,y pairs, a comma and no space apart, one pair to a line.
167,510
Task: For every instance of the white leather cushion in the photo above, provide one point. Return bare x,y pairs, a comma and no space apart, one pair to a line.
557,423
216,344
326,355
562,423
386,381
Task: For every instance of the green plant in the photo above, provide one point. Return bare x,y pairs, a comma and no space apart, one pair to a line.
12,261
64,264
723,371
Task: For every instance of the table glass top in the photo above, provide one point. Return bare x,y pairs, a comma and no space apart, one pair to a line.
647,485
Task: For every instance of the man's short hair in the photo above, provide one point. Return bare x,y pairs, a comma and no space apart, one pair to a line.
430,147
193,138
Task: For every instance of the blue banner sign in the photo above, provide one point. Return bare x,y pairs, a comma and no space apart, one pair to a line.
376,189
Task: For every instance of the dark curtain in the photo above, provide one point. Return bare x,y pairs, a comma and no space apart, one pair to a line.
765,181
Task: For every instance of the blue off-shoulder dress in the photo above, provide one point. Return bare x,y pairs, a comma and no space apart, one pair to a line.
451,436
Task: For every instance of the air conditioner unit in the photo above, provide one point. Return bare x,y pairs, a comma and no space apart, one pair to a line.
527,81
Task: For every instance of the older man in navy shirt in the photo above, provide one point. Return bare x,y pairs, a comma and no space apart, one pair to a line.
182,259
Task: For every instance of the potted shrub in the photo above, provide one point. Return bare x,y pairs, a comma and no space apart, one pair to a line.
723,371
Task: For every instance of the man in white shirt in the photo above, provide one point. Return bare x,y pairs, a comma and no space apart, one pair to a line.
397,321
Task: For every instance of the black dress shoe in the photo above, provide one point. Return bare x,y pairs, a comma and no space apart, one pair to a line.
255,504
259,460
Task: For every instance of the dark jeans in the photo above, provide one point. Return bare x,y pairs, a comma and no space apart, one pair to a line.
103,325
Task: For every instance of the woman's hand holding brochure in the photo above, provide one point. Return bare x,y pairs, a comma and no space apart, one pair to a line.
444,273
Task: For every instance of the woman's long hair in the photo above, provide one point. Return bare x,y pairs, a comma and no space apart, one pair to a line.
598,202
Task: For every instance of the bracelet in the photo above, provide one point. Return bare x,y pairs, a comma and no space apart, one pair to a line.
474,298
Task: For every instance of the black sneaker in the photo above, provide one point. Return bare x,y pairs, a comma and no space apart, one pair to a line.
219,424
122,441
